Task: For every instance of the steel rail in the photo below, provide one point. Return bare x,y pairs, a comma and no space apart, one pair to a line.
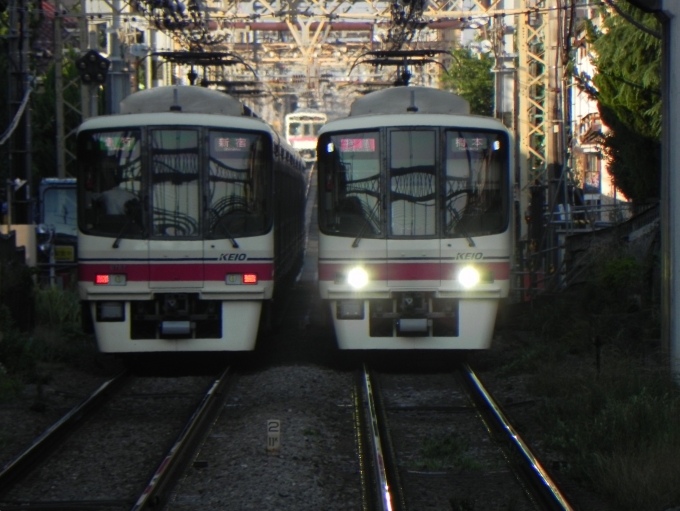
384,498
26,460
67,505
359,429
156,491
549,492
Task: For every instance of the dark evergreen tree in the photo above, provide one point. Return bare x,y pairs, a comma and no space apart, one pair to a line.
627,55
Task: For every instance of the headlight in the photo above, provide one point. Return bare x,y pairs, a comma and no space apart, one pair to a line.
468,277
357,278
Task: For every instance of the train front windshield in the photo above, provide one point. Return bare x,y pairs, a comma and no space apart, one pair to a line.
305,129
414,183
174,183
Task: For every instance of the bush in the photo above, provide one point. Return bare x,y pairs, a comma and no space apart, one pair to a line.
19,354
610,408
615,283
59,326
57,308
56,336
16,292
608,423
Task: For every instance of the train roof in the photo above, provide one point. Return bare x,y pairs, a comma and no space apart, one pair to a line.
180,105
415,100
411,106
369,122
181,98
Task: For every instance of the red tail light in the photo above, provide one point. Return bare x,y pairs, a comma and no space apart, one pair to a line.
250,278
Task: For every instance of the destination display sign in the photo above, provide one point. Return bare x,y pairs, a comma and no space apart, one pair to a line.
357,145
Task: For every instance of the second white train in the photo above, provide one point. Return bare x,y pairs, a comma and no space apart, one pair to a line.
415,221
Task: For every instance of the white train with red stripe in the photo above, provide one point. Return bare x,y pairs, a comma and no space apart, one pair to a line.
415,221
190,214
301,130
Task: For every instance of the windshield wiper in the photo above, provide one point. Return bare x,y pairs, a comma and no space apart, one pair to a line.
458,218
367,222
116,243
132,208
226,231
355,243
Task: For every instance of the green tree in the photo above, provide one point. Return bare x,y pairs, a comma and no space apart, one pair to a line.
42,103
470,76
627,86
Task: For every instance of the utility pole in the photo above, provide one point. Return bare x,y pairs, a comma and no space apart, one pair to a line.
557,196
87,92
118,86
20,89
553,139
66,104
59,88
533,128
670,180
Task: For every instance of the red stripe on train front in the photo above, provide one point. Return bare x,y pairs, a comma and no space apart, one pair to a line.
410,271
158,272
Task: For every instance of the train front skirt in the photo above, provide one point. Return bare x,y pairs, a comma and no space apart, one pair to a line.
120,327
444,324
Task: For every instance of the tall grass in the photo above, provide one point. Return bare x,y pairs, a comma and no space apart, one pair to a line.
58,318
610,409
618,429
57,308
56,336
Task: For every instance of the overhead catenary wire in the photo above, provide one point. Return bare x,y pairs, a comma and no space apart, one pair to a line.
462,15
17,117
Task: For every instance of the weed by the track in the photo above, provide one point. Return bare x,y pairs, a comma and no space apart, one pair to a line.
56,337
608,402
446,452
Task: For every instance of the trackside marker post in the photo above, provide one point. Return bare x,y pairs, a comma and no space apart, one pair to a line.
273,436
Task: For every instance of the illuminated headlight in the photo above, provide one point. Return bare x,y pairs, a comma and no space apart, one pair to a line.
357,278
468,277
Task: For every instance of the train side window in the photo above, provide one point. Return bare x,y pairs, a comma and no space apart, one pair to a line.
349,168
476,184
238,184
111,182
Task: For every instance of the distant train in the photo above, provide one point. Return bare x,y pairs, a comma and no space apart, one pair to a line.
415,205
190,214
301,130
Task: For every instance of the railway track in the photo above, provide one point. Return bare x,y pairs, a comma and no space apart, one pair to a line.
99,455
470,458
425,441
